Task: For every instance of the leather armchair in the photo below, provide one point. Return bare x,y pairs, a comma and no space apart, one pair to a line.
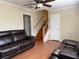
69,50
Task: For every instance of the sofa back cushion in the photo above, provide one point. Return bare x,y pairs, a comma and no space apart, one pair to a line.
5,38
18,35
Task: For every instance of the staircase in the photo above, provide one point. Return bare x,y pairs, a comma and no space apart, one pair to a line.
43,27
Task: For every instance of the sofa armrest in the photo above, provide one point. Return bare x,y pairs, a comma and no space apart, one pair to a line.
30,37
70,42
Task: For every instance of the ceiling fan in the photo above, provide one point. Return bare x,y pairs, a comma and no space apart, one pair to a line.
40,3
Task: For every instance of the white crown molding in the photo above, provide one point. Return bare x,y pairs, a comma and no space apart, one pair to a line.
3,2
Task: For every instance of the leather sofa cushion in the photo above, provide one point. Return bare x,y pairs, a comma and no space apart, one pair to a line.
78,47
10,49
78,57
18,35
5,38
69,52
53,57
27,43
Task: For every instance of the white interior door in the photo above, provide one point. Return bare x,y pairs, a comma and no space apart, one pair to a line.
55,26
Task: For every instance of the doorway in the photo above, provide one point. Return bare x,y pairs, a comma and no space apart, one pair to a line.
27,24
55,26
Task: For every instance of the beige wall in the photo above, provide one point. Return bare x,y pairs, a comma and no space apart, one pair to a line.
11,17
69,23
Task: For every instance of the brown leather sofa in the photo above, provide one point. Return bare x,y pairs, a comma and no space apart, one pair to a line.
14,42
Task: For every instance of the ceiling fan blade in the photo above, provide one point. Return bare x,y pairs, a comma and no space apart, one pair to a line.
49,0
29,4
39,1
46,1
47,5
43,1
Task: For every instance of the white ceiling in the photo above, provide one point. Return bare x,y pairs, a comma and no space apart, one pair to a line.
19,2
64,3
55,4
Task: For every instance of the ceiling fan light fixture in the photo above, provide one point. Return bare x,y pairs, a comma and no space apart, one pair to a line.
39,5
